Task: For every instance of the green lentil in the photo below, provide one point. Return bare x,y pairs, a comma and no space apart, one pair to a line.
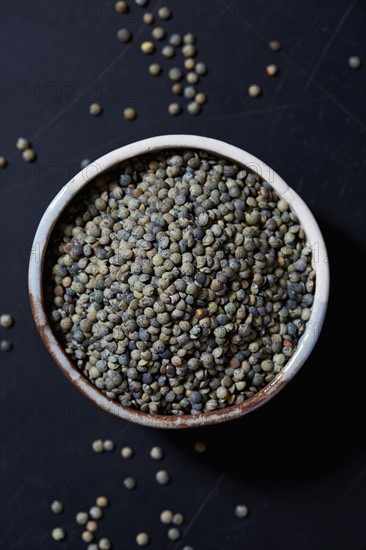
174,109
142,539
164,13
156,453
22,144
241,511
155,69
127,452
124,35
166,517
6,320
162,477
5,345
29,155
178,519
58,534
158,33
129,483
129,113
174,533
57,507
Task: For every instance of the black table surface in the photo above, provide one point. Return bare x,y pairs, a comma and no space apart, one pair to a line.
299,463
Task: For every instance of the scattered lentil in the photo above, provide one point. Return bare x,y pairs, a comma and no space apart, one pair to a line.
174,109
29,155
189,50
164,13
87,536
155,69
129,483
105,544
96,512
177,88
193,108
157,453
5,345
108,445
166,517
147,47
127,452
57,507
275,45
354,62
200,98
175,73
92,546
158,33
178,519
121,6
254,90
174,533
192,78
129,113
82,518
175,40
189,547
91,526
142,539
162,477
94,109
272,70
168,51
189,38
142,3
98,446
124,35
200,447
3,162
148,18
22,144
58,534
6,320
200,68
102,501
189,64
84,163
241,511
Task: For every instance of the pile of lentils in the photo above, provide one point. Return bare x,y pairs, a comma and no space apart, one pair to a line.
181,283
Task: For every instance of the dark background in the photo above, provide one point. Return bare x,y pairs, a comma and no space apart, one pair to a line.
300,462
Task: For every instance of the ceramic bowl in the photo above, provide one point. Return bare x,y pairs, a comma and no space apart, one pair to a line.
221,149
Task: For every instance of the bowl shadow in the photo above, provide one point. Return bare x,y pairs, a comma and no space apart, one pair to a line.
310,427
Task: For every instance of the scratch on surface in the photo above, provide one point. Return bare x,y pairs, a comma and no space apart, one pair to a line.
329,43
201,507
353,485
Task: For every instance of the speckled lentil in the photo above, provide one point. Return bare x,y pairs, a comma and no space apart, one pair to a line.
181,283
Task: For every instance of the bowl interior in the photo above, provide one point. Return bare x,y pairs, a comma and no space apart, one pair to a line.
39,275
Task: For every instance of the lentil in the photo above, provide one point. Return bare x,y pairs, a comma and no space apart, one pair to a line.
168,51
91,526
129,113
158,33
200,98
5,345
22,144
174,109
241,511
87,536
164,13
148,18
57,507
121,6
58,534
174,533
142,539
95,109
193,108
147,47
6,320
275,45
124,35
200,447
108,445
254,90
105,544
127,452
129,483
82,518
3,162
156,453
166,517
102,502
355,62
155,69
272,70
162,477
178,519
96,512
29,155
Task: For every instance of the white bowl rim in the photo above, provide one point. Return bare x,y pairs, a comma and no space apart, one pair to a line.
220,149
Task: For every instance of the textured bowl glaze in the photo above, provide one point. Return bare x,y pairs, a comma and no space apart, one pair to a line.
220,149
